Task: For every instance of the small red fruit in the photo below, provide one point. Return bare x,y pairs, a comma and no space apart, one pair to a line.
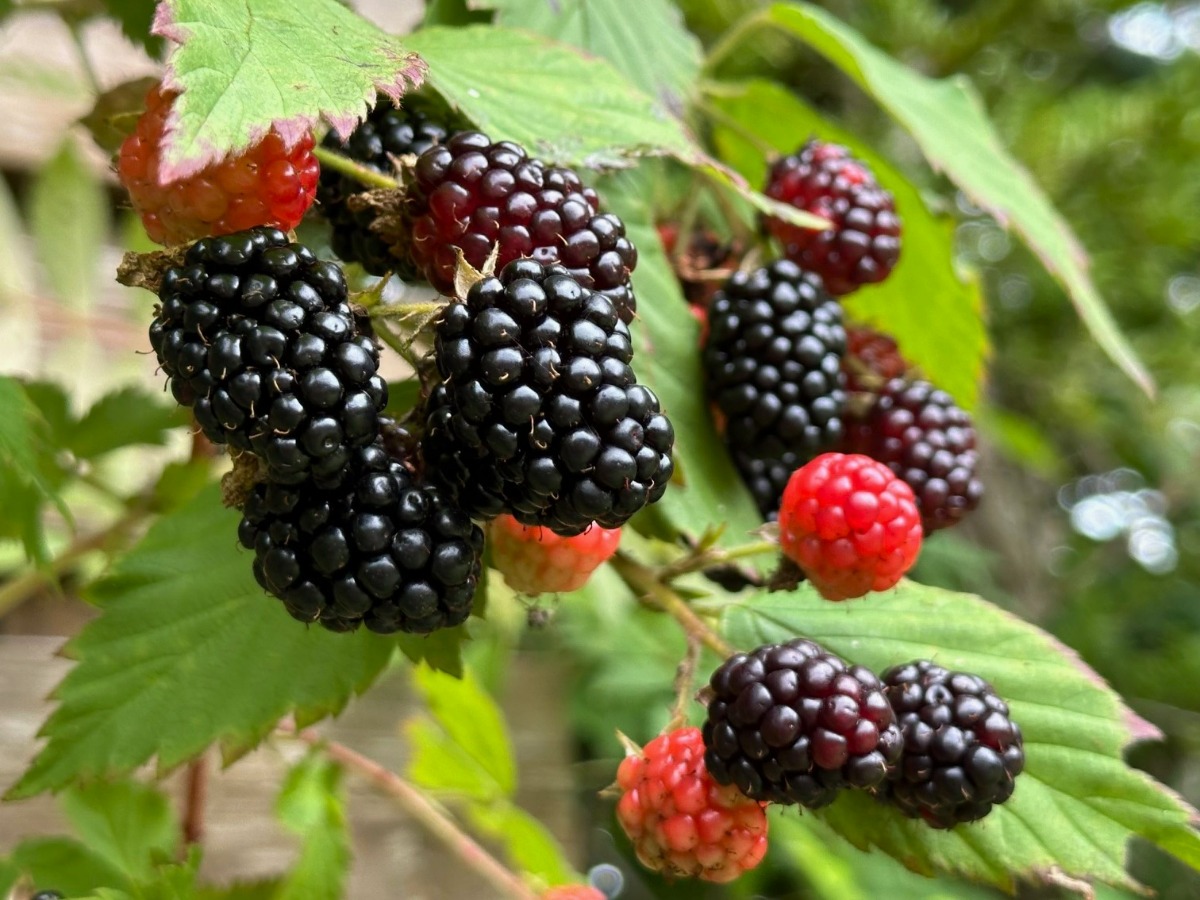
267,185
871,356
850,523
535,560
682,823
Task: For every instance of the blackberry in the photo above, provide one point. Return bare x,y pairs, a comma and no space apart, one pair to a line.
927,440
471,194
539,414
863,245
381,550
256,336
871,357
793,723
962,753
387,133
773,365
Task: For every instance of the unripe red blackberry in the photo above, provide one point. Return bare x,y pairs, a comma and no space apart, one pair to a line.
923,436
387,134
539,414
772,360
794,723
472,194
257,337
268,184
962,752
681,821
863,245
535,560
379,550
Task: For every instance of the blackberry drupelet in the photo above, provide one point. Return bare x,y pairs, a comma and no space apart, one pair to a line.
471,194
539,414
962,752
863,245
773,365
381,550
926,439
387,133
793,723
257,337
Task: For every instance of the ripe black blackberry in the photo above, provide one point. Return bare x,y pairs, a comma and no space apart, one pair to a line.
962,753
926,439
539,413
381,550
863,245
773,365
794,723
469,193
256,336
387,133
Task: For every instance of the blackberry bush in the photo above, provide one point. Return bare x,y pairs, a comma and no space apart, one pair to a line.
794,723
381,550
471,194
773,365
962,752
540,414
256,336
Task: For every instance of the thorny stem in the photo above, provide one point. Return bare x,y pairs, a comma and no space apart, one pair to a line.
714,556
645,583
331,159
195,791
685,677
423,810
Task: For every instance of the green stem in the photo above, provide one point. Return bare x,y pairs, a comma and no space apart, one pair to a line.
24,586
422,810
714,557
331,159
644,582
733,38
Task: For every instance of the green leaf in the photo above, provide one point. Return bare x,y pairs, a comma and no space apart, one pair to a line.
441,650
66,865
1077,804
312,804
949,122
452,12
440,764
546,96
530,846
127,416
68,216
129,825
189,650
242,67
653,48
666,337
23,485
470,718
136,17
923,288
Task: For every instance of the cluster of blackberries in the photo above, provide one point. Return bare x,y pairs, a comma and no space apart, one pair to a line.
257,337
787,379
794,723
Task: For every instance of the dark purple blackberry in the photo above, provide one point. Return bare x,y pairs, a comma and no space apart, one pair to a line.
926,439
793,723
381,550
773,365
257,338
387,133
863,245
539,414
962,753
471,194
